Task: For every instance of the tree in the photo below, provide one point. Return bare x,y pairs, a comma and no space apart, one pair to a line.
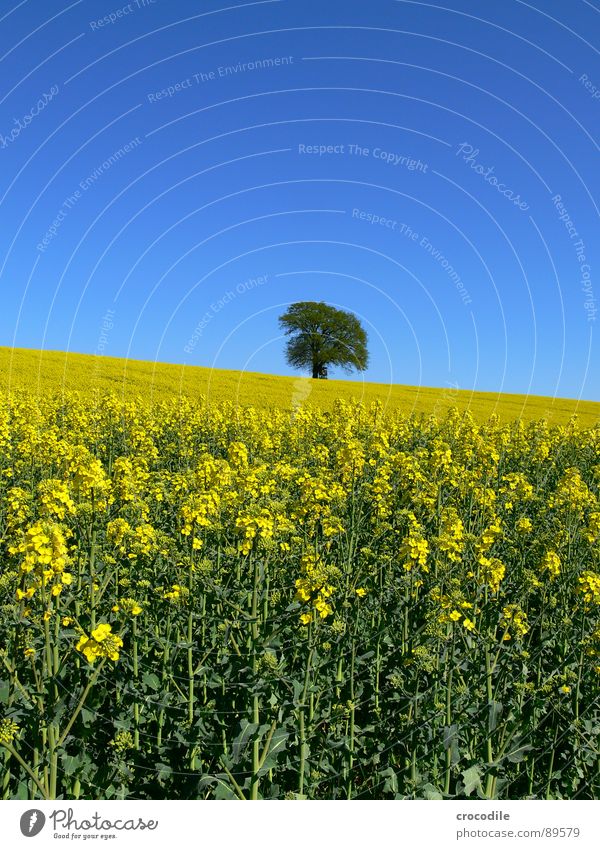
321,335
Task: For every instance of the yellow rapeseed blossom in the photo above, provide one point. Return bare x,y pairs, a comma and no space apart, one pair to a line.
313,586
492,572
54,499
8,730
415,548
524,526
551,564
452,535
589,586
514,621
43,547
101,643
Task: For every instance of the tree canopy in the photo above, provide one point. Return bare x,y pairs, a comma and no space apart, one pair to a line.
322,336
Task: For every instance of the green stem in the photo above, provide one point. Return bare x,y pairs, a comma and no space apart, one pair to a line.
27,769
93,582
551,766
190,654
81,702
254,785
349,787
301,723
448,770
490,780
136,707
236,786
53,752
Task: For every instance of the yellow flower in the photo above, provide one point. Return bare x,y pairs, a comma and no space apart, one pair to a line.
589,586
88,647
565,689
324,610
8,730
455,615
415,547
102,643
302,590
468,624
524,526
111,647
551,564
54,498
122,742
101,632
129,606
44,549
452,535
492,572
305,618
361,592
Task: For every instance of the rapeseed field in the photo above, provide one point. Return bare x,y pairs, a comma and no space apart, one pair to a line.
202,598
52,371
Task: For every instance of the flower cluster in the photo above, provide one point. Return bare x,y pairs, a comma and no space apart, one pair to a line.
513,621
313,587
8,730
101,643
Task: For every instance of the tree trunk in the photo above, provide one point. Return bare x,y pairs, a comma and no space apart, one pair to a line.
316,370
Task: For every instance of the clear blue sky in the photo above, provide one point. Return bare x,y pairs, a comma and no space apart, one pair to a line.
174,173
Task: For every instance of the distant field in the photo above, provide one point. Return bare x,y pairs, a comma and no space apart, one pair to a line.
50,371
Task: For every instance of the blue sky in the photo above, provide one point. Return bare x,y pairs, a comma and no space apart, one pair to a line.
174,174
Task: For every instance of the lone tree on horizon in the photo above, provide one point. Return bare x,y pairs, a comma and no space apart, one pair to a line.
321,335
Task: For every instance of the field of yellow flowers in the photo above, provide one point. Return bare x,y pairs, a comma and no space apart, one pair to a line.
43,372
216,601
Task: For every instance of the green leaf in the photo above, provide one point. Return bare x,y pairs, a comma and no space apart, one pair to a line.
223,789
151,680
277,746
450,734
517,755
163,772
366,656
87,716
391,780
70,764
451,742
22,791
495,709
249,729
431,792
472,780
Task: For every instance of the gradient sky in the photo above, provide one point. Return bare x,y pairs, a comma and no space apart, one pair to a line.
160,198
